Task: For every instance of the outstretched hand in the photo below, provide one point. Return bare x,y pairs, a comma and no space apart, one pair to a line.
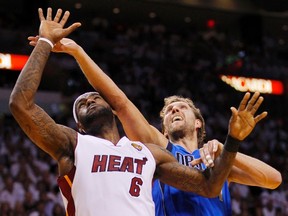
53,29
242,121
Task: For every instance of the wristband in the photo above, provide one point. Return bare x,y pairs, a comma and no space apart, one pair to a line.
231,144
47,41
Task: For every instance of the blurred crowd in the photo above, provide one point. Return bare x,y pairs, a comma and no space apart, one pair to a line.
150,61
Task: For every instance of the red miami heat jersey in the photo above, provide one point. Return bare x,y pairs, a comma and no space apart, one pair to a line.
108,179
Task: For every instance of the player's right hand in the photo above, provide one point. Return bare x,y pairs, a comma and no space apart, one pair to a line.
242,121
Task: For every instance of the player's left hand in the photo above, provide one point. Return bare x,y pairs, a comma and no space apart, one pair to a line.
53,28
243,119
208,153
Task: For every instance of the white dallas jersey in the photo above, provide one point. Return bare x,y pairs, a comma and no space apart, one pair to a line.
109,180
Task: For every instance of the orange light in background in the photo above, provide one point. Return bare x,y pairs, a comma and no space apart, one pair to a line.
244,84
12,61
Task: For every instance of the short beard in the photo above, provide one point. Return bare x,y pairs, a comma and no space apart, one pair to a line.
176,134
98,121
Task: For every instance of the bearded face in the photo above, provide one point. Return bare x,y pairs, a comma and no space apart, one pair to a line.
94,113
179,120
97,117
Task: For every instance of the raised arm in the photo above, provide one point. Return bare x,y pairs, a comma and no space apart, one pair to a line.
253,172
34,121
246,170
129,115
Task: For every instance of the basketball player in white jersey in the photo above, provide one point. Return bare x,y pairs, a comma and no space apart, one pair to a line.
101,173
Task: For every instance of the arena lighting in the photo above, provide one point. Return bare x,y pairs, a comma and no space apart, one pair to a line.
12,61
210,23
244,84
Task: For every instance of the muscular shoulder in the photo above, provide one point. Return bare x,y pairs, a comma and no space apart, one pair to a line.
160,154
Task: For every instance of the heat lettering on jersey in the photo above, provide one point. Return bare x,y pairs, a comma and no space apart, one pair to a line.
116,163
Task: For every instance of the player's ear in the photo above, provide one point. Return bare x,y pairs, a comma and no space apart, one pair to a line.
198,123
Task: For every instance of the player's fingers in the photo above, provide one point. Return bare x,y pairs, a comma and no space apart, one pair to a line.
251,103
196,162
234,112
203,156
210,147
208,157
243,103
49,14
210,162
215,146
41,15
65,18
260,117
257,105
32,43
233,117
72,28
58,15
34,38
206,149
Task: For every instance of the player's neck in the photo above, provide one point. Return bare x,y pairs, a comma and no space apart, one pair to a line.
189,143
111,134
